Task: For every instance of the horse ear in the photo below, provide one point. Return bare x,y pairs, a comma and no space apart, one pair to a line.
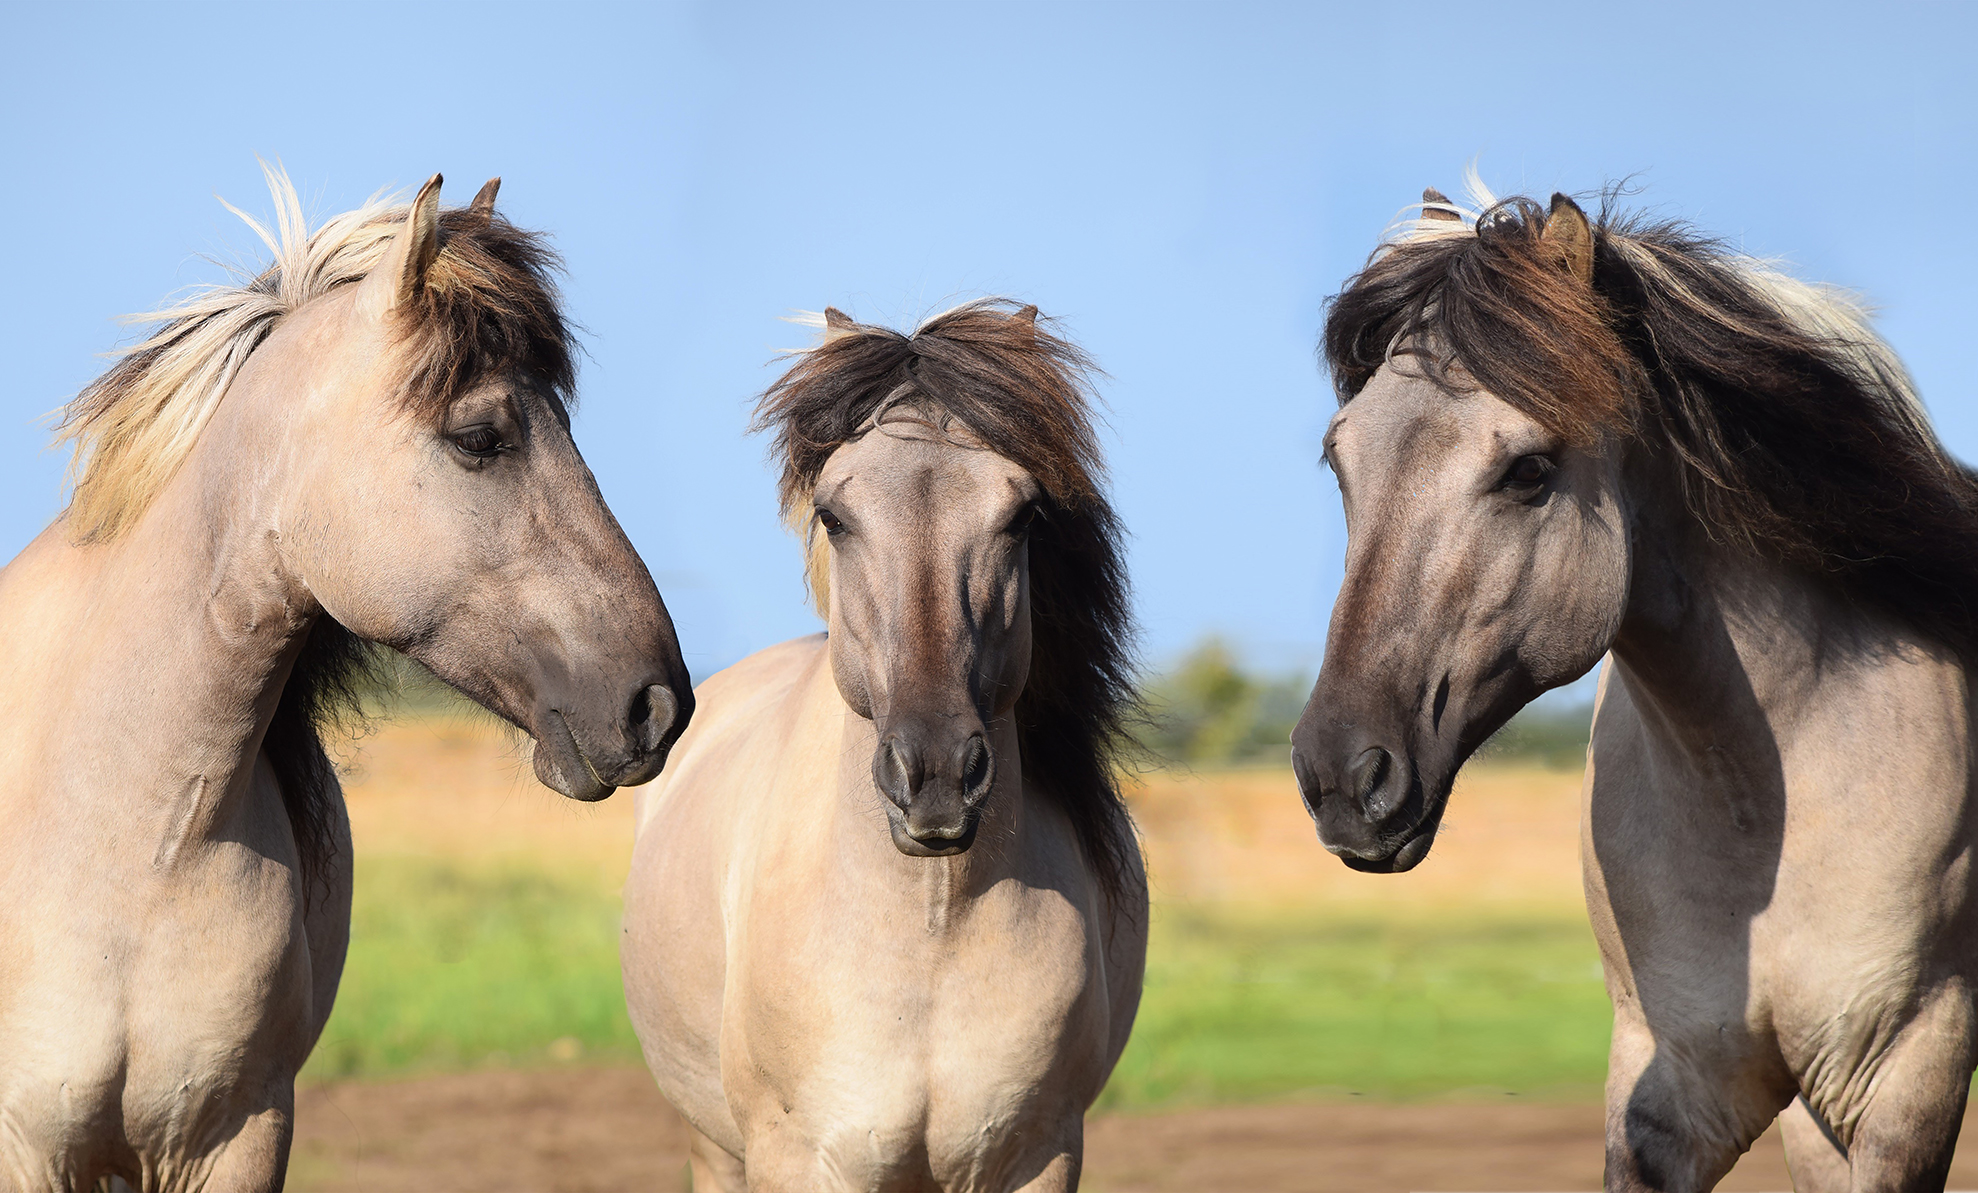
1436,206
1024,319
396,280
483,204
837,324
1570,238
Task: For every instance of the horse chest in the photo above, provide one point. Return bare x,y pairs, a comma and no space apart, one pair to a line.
947,1050
153,1007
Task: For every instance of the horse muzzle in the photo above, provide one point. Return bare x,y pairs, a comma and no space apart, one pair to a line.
934,788
631,751
1367,802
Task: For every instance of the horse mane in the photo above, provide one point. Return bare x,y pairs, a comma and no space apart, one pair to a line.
489,305
1025,392
1795,432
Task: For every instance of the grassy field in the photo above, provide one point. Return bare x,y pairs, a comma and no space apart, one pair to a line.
486,923
1242,1008
454,965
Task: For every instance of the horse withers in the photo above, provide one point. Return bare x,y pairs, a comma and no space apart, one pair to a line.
886,920
367,441
1561,439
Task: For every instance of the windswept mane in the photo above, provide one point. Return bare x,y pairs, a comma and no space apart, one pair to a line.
488,305
1025,392
1794,430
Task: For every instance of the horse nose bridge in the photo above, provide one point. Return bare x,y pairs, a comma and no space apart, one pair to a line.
1387,568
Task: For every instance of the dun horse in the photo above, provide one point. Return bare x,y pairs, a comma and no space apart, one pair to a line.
368,441
1561,438
886,919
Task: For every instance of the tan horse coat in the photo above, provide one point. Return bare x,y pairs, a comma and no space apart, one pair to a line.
861,949
1753,521
168,950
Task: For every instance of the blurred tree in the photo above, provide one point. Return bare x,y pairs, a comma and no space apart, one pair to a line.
1547,734
1207,710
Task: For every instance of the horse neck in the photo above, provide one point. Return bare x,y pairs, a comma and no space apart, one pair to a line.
1720,648
168,646
941,887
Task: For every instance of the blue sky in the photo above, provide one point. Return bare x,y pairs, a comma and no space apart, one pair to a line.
1183,185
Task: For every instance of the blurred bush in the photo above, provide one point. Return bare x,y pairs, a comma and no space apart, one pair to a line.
1548,735
1208,710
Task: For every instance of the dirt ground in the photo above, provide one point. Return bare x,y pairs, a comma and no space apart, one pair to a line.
589,1130
461,787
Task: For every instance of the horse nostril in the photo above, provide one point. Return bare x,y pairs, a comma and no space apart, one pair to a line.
1368,772
894,775
653,713
975,765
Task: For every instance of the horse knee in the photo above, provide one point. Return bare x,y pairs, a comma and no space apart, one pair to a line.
1649,1151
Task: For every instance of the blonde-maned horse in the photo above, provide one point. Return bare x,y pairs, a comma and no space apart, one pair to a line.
1561,438
368,441
886,920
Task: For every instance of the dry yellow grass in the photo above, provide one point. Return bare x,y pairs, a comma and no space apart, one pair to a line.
1509,844
459,787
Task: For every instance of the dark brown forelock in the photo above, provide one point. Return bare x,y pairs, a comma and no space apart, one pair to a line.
1025,393
489,306
1788,441
1009,380
1521,326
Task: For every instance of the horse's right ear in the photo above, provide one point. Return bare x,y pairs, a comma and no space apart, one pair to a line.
1569,237
397,279
483,204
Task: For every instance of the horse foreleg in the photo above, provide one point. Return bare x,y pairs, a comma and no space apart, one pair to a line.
1060,1175
255,1160
715,1171
1904,1138
1813,1156
1681,1111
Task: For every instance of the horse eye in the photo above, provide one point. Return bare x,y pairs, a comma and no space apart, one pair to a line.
1025,519
1527,472
480,442
829,521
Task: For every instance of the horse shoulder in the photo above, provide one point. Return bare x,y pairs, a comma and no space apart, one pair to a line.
678,900
735,710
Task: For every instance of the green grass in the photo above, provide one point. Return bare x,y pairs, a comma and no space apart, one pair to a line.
454,967
1253,1007
459,967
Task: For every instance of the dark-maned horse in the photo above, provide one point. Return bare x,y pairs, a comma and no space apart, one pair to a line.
1560,439
886,920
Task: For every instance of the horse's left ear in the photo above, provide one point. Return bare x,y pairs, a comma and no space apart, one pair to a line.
1025,319
1570,238
483,204
396,280
1436,206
